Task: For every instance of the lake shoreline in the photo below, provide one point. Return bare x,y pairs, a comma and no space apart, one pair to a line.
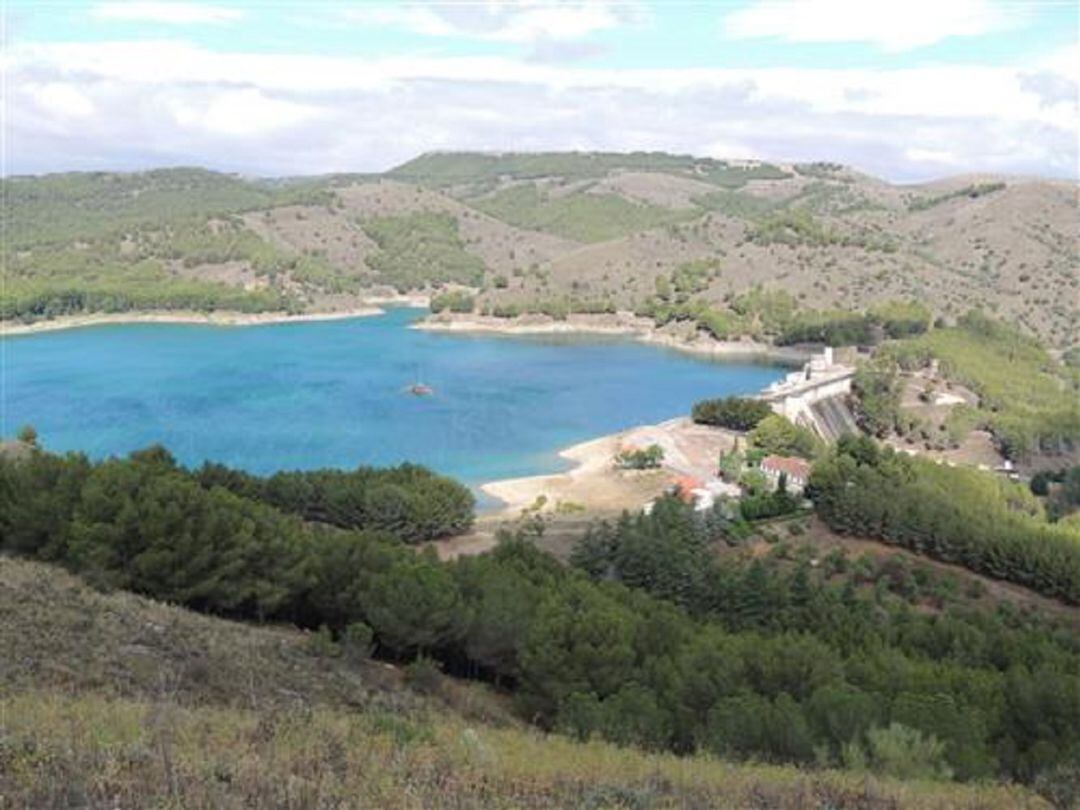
585,476
595,485
368,307
623,325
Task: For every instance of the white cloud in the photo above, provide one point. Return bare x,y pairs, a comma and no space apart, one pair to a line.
891,25
557,22
62,100
171,13
730,150
242,113
519,21
153,103
416,19
941,156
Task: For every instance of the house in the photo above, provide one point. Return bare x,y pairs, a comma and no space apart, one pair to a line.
693,492
796,469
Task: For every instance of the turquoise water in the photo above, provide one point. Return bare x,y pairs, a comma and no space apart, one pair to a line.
332,393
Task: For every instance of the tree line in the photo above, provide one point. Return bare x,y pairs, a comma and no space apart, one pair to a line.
409,501
953,514
647,640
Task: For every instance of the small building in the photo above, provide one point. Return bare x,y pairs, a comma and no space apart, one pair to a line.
796,469
684,486
693,492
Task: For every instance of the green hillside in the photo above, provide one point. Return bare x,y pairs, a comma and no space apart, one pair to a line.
111,700
456,168
62,207
581,216
451,168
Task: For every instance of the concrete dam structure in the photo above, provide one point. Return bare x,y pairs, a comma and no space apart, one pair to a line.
816,396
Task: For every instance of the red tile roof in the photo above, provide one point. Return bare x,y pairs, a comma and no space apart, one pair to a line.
794,467
685,485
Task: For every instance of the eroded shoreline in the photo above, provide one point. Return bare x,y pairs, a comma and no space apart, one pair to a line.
368,307
622,325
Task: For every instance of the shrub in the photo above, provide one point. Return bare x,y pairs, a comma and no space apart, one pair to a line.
424,675
905,753
321,643
736,413
778,435
453,301
358,641
648,458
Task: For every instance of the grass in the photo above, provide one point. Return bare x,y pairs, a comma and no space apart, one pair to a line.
61,751
59,633
579,216
112,700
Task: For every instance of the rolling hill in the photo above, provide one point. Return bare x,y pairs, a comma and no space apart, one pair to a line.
596,231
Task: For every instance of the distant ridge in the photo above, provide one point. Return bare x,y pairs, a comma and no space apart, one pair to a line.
550,232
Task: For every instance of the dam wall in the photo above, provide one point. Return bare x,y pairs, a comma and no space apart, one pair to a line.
816,396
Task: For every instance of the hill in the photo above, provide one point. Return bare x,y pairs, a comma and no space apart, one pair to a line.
112,700
550,232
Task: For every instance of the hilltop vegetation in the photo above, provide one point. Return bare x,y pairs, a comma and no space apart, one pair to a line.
461,168
547,232
60,208
581,216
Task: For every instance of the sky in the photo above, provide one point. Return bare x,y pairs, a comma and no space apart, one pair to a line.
906,90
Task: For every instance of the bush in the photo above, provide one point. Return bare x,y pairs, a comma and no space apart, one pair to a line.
424,676
736,413
777,435
358,641
454,301
905,753
648,458
768,505
321,643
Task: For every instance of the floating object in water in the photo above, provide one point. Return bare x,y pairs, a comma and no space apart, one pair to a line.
419,388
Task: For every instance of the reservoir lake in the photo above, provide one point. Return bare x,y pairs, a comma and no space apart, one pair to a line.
335,393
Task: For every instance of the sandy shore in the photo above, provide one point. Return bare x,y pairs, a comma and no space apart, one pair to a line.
589,482
369,307
595,484
621,325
